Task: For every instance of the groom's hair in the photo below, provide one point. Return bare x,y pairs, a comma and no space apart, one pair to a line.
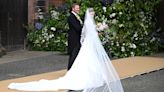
74,4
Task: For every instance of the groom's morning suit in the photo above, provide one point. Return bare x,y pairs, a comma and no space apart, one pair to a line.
74,33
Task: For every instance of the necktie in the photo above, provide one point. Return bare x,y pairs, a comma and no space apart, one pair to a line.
78,17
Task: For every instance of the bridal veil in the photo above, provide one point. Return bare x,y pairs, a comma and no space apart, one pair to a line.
110,78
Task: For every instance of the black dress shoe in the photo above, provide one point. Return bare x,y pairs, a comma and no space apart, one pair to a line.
70,90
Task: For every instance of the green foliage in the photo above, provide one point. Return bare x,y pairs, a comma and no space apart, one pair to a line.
130,24
53,35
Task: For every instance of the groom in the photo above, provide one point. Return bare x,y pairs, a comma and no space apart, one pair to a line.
74,33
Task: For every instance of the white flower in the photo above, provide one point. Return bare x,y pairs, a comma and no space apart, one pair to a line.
105,25
121,25
104,8
38,45
45,29
112,15
54,14
153,39
36,41
117,44
112,43
146,33
39,10
132,54
52,35
133,46
136,38
53,28
141,13
43,41
45,34
114,21
47,38
114,8
120,13
40,17
66,43
101,26
135,35
123,49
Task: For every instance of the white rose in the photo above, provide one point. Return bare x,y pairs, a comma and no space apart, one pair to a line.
120,13
52,35
104,8
117,44
135,35
122,49
53,28
121,25
133,46
112,15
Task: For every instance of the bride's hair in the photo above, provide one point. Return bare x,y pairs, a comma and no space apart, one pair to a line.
90,9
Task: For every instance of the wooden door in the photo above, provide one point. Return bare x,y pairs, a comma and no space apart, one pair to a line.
13,17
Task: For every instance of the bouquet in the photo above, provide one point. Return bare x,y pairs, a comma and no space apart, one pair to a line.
101,26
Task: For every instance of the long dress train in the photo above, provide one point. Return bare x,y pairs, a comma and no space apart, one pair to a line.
92,70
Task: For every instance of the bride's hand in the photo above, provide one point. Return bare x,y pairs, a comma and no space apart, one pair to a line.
100,33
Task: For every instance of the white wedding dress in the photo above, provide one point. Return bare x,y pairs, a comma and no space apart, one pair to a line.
92,70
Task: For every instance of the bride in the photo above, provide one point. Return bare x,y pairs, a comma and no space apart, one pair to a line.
92,70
